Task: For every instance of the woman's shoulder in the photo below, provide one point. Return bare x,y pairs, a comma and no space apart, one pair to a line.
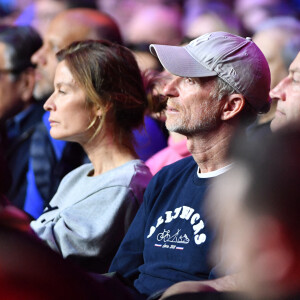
142,171
132,173
133,170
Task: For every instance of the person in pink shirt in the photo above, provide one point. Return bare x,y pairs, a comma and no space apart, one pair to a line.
175,150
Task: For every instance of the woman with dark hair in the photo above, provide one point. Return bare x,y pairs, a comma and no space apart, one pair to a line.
99,99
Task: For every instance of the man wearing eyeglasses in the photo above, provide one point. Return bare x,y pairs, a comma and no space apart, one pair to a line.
19,112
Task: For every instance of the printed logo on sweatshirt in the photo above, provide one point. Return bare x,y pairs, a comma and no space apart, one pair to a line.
174,239
185,213
166,237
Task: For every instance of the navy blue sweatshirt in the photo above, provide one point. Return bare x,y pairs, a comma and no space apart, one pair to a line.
169,239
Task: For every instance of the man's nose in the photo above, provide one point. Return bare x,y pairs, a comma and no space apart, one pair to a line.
279,91
171,87
39,56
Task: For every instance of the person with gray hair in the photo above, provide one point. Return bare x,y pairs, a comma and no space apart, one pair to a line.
256,220
19,112
216,84
276,181
279,40
287,95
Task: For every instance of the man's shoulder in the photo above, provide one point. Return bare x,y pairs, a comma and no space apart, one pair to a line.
182,164
175,171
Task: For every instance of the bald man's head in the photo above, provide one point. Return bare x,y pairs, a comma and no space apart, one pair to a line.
84,23
67,27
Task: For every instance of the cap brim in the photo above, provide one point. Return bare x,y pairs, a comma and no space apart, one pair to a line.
179,62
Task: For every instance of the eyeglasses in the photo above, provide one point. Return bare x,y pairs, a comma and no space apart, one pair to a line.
16,70
6,71
9,71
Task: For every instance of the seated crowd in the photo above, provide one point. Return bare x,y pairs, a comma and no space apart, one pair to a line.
149,163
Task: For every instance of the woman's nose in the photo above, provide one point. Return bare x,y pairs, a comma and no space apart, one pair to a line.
49,104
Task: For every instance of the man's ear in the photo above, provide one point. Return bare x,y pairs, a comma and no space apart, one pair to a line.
26,84
233,105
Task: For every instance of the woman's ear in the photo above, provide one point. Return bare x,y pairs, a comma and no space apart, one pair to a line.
232,106
98,111
102,110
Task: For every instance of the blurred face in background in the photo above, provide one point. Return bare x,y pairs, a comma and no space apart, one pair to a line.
271,43
287,93
244,239
44,12
11,98
235,231
60,34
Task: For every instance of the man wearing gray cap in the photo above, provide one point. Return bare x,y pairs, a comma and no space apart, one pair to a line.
216,84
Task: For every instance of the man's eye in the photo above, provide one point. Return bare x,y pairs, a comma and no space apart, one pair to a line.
55,48
296,80
190,80
296,77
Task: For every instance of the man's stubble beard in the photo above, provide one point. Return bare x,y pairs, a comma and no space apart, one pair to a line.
42,93
207,121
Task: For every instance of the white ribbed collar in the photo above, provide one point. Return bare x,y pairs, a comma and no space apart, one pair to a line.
213,173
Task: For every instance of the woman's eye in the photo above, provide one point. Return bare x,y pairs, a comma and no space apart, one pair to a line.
61,92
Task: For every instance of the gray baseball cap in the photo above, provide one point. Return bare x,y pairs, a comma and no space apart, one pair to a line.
238,61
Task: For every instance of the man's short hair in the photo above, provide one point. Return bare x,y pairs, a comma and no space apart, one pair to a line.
248,114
